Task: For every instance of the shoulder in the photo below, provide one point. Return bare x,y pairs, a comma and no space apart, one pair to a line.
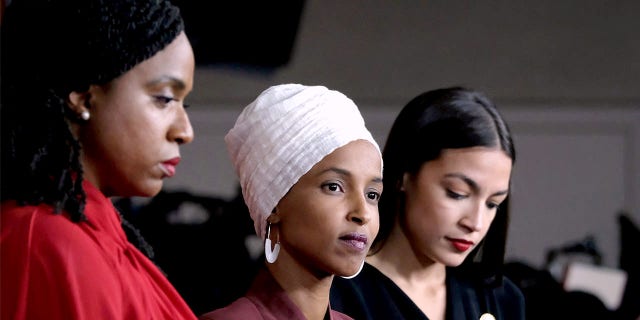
511,296
371,295
37,225
503,290
510,289
52,263
510,300
43,243
503,299
39,228
240,309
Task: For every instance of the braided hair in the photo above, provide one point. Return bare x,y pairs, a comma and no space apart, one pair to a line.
51,48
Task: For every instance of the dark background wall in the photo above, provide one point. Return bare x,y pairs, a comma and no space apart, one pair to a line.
566,74
386,51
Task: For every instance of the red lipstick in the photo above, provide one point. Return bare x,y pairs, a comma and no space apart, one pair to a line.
461,245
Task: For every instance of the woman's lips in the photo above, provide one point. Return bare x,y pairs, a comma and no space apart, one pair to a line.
356,241
460,244
169,167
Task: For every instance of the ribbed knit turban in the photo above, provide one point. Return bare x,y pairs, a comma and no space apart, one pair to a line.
67,45
282,134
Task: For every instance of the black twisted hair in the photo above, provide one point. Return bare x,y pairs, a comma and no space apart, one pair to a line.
51,48
447,118
40,156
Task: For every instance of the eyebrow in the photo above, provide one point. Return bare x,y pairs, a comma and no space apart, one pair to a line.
473,184
346,173
175,82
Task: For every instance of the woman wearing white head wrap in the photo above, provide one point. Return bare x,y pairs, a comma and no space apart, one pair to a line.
311,175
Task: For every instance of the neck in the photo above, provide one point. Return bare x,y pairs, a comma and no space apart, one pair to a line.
419,277
308,290
401,262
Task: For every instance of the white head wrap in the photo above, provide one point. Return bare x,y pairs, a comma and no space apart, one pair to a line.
282,134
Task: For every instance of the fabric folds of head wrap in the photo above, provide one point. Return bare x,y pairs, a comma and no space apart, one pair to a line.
282,134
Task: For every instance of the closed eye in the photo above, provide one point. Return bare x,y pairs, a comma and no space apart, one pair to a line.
164,100
455,195
492,205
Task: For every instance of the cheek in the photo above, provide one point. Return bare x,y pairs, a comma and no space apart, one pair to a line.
491,217
418,218
430,214
113,120
303,217
420,204
374,224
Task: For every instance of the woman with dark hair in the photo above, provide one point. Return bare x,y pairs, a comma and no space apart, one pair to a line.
92,108
443,217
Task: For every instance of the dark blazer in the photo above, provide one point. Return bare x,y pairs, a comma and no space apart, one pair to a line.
372,295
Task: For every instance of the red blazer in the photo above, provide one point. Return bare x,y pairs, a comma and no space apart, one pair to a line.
53,268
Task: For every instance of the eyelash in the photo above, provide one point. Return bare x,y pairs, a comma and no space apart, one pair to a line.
376,195
164,100
332,184
454,195
492,205
457,196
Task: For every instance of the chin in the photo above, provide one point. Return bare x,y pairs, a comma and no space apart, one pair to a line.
353,269
453,261
148,190
153,192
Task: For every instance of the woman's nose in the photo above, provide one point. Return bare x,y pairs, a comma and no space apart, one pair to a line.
360,211
473,220
181,130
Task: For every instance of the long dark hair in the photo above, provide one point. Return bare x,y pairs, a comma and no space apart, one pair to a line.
448,118
51,48
40,156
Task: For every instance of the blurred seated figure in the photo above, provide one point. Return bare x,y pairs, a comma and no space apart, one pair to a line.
546,298
629,262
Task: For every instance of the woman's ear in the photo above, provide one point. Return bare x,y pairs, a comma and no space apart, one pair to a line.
79,102
274,218
405,180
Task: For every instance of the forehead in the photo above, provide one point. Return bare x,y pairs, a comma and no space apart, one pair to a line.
358,162
479,155
483,164
175,61
357,159
355,153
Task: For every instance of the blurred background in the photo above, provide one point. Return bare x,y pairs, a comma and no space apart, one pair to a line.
565,74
